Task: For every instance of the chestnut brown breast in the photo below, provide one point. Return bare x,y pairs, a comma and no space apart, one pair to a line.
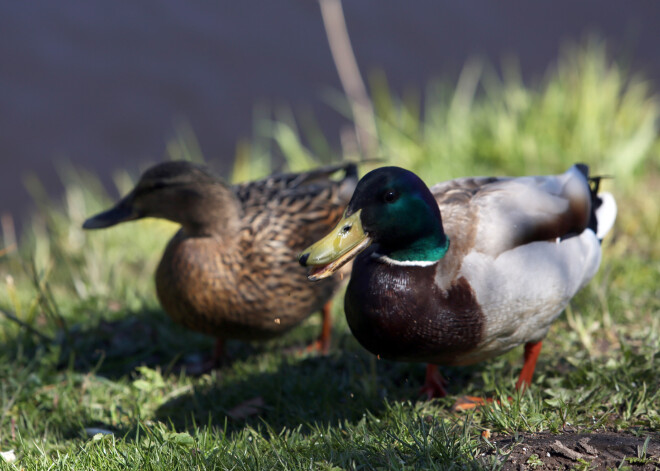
399,313
208,288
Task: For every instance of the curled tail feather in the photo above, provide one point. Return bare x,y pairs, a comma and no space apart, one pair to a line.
603,205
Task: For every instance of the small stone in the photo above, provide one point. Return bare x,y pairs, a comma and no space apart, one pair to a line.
8,456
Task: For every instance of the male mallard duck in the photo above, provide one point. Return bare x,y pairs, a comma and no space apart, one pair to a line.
231,270
492,273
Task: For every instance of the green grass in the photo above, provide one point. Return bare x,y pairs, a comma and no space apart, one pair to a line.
88,378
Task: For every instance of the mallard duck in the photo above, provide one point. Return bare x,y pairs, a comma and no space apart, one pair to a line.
231,270
466,270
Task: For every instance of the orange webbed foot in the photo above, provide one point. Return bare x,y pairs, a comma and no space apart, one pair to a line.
532,350
464,403
317,345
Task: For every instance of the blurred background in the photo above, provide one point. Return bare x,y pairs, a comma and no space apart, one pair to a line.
92,92
111,85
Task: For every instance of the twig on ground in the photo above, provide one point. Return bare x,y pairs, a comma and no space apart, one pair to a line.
27,326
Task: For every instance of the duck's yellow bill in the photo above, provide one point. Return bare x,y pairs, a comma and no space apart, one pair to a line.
336,249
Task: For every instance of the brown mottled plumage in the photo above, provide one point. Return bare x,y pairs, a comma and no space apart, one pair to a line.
231,270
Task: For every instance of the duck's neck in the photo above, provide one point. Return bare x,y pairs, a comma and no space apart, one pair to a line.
428,249
215,213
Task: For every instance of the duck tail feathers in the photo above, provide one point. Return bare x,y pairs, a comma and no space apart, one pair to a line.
605,214
603,205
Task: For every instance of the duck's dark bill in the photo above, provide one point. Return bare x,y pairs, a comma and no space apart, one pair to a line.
111,217
336,249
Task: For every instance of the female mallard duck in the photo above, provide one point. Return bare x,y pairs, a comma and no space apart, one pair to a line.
231,270
492,273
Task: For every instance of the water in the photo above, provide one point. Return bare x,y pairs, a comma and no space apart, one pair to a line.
103,85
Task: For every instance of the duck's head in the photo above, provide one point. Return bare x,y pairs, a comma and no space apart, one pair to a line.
391,207
179,191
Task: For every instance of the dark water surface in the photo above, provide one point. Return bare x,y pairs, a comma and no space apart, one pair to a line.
103,84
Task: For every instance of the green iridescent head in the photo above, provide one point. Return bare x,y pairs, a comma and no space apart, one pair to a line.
391,207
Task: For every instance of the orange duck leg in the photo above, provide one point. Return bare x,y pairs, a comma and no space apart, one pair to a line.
434,384
322,344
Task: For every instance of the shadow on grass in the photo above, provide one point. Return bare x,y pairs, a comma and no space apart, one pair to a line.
118,343
265,385
115,348
309,392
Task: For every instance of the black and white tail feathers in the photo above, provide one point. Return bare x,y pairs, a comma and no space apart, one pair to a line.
603,205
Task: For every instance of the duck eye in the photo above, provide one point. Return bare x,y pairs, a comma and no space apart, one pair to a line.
390,196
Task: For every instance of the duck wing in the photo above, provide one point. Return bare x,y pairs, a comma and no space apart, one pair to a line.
500,213
299,208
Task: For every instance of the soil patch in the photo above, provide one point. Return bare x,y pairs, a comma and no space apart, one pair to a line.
592,451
